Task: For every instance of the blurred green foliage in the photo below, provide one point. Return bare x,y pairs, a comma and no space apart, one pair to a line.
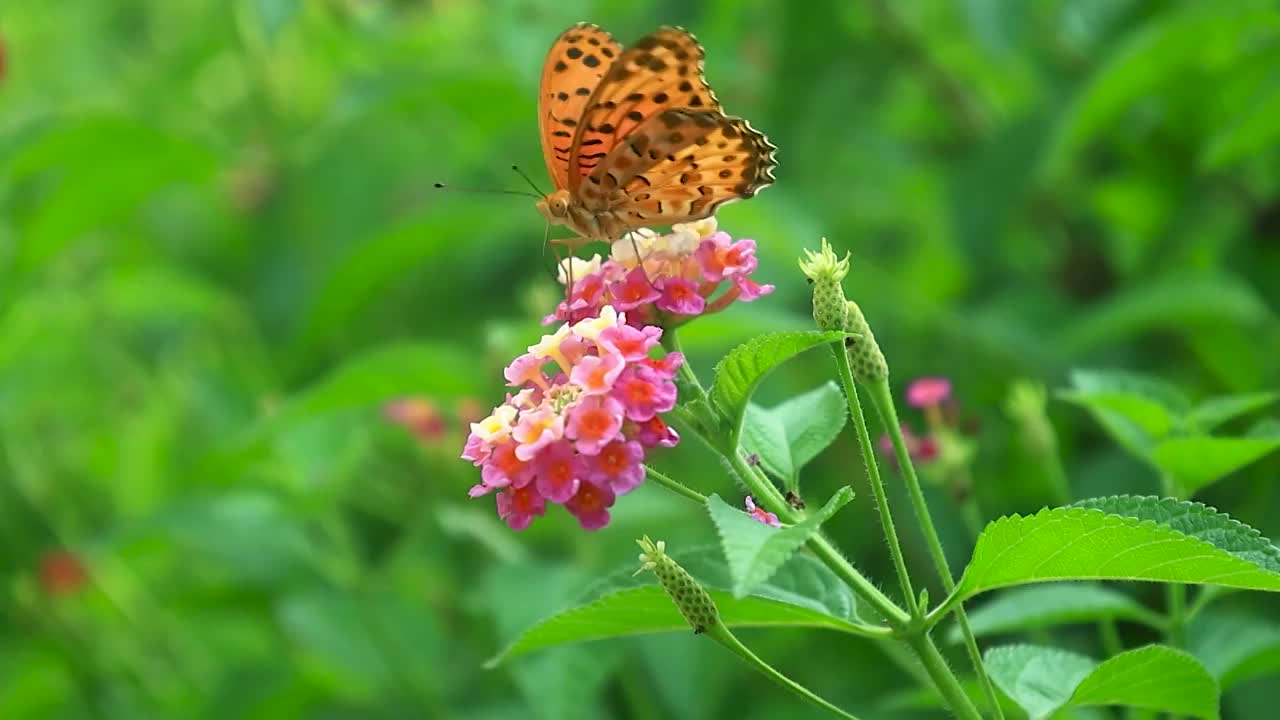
220,254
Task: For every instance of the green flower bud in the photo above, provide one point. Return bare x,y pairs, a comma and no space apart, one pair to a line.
690,599
868,363
825,271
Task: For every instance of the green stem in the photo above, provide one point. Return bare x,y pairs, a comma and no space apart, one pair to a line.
943,677
1110,637
675,486
866,590
882,398
1177,612
873,477
721,634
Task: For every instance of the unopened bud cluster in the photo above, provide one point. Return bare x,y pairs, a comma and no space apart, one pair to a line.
868,363
825,271
693,602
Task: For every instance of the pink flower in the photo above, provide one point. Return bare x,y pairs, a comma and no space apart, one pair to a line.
681,297
579,436
666,279
644,392
632,344
721,258
62,572
749,289
519,506
591,505
620,466
526,369
419,416
594,422
654,433
634,290
920,449
537,429
560,471
595,374
505,467
928,392
476,450
667,364
761,514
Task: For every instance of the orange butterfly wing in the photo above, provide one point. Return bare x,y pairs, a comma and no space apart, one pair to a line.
577,61
681,165
663,70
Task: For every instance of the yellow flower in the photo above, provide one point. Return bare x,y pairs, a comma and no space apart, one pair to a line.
591,328
623,251
549,347
699,228
497,427
577,268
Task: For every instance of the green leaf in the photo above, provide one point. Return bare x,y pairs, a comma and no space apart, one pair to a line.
1122,402
1041,606
1155,56
789,435
1215,411
1197,462
1042,680
803,593
813,421
1182,303
1122,538
755,550
738,374
105,168
1194,520
764,434
1252,133
1234,646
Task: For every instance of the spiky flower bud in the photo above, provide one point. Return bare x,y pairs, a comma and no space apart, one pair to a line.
693,602
825,271
868,363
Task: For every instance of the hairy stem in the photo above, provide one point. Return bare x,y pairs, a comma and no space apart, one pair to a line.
873,477
882,398
721,634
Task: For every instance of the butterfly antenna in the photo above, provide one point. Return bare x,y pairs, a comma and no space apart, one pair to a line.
442,186
527,179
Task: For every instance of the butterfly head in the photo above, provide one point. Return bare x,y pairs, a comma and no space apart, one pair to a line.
555,207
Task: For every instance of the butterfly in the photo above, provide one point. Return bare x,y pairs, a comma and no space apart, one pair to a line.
634,138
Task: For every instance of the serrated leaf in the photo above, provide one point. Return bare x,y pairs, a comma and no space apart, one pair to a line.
1123,538
788,436
739,372
1040,606
1196,520
1197,462
1215,411
1234,646
803,593
1043,680
754,550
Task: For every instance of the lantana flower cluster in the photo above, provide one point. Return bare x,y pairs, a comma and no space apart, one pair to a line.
585,410
694,270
